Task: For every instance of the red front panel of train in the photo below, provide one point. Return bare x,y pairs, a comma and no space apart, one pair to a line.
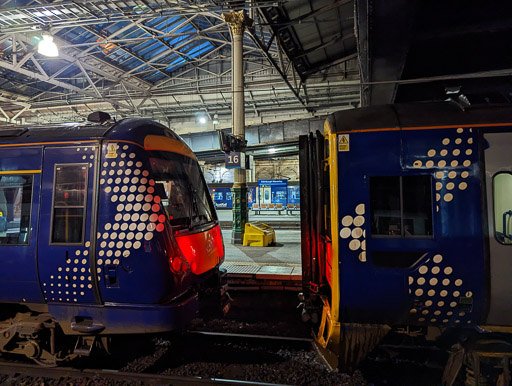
203,250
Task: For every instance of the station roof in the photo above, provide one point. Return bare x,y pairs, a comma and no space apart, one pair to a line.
171,59
423,50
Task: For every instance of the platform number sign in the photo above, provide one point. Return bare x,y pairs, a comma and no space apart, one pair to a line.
344,142
235,160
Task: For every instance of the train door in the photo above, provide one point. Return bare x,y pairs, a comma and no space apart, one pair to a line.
498,179
20,178
67,271
314,212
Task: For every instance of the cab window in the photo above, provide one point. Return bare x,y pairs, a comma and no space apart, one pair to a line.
15,207
181,187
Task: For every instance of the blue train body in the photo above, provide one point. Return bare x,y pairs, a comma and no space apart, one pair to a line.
416,232
222,197
104,229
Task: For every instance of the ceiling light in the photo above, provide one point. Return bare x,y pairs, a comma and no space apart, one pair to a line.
272,150
215,119
202,120
47,47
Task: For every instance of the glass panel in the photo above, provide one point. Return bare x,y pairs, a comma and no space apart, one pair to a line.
181,187
70,185
67,225
503,207
395,259
385,206
417,205
15,206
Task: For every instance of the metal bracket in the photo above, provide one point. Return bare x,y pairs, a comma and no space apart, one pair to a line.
84,345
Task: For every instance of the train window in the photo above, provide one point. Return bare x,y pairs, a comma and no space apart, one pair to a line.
385,206
401,206
182,190
15,207
502,186
417,205
69,196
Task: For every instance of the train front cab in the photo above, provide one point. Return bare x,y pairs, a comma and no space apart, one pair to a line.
434,260
157,238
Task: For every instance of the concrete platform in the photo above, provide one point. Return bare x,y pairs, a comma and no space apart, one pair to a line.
263,277
264,268
285,251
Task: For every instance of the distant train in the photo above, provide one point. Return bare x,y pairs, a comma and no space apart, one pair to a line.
284,193
104,229
406,224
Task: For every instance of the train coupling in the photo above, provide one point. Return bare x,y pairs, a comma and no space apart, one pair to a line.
214,299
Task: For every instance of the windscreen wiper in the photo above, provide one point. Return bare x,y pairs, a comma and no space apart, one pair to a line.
195,199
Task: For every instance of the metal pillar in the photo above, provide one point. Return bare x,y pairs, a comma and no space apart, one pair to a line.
238,21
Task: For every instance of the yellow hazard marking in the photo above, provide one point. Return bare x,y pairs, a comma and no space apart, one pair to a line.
344,142
111,150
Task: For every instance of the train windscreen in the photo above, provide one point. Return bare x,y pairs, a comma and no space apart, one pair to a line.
181,187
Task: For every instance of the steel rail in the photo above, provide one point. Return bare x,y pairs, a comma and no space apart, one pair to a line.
30,370
251,336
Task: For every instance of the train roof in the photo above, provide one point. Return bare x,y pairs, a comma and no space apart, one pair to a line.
132,129
51,132
435,114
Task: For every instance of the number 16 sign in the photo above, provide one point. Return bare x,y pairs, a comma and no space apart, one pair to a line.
235,160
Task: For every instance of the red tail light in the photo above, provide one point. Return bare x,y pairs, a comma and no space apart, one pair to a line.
176,264
177,261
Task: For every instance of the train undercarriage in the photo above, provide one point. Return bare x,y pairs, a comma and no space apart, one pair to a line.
31,331
35,335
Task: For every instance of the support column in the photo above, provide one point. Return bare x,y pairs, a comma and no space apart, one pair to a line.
238,21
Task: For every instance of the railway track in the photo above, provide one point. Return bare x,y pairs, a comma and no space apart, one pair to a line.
212,358
253,336
196,357
20,373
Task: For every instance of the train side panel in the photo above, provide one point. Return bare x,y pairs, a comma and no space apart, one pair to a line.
404,262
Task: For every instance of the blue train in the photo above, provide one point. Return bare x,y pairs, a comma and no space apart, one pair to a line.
222,196
105,228
285,193
406,225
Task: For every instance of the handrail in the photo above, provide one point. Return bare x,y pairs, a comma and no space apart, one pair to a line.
505,235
